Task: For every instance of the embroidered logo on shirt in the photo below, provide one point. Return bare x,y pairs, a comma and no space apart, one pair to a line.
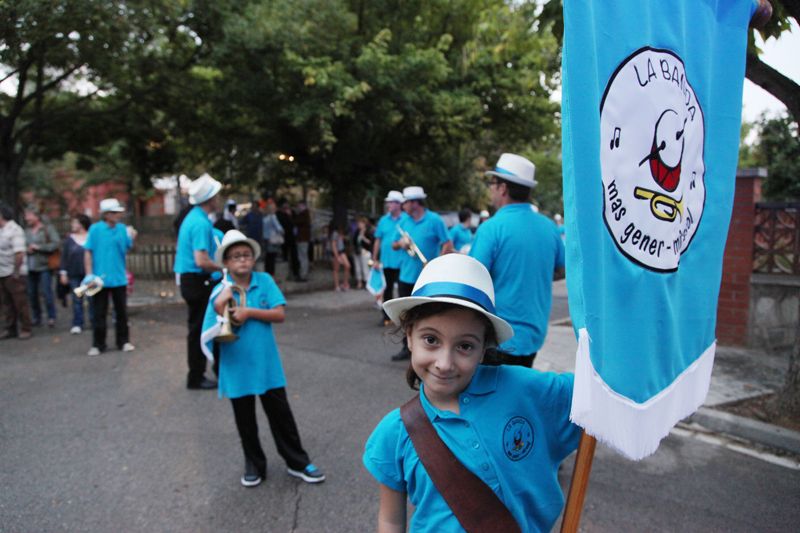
517,438
263,303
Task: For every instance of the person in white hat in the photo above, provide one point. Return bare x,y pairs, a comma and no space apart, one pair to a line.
194,266
509,426
384,256
250,365
104,257
522,250
428,233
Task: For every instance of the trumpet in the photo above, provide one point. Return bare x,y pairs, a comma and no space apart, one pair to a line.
227,333
89,289
413,249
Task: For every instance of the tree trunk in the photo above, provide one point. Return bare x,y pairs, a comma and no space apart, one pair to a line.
9,182
781,87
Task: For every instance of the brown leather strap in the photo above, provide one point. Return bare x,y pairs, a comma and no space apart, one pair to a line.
476,506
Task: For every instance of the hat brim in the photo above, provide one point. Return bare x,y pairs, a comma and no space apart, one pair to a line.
113,210
513,178
220,253
396,307
215,188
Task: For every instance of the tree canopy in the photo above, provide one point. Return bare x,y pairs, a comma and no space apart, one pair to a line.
365,95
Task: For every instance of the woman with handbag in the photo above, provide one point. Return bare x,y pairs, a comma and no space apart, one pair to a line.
72,271
273,238
479,448
43,243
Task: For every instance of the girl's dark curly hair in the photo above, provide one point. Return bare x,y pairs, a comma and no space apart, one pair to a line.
421,312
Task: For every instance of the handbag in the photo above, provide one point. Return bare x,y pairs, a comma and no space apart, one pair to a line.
476,506
275,238
54,260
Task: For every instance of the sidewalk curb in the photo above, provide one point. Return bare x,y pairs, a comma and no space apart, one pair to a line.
748,429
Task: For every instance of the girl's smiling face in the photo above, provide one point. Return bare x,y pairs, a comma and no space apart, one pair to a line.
446,349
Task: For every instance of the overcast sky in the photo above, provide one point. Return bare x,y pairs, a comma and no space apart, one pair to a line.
783,55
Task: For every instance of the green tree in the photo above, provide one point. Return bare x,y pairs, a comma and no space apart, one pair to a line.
72,67
778,150
369,95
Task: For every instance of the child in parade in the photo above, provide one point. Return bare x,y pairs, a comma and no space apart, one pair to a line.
509,426
250,366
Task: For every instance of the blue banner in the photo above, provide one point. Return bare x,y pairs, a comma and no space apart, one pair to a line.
651,106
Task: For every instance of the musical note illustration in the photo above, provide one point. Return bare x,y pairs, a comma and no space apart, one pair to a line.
615,139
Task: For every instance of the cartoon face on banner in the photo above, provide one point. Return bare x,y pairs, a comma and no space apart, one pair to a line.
651,155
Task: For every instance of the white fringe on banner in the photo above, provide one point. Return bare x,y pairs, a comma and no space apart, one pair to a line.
209,335
635,429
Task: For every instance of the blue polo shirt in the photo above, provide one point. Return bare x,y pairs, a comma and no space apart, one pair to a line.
429,233
386,232
251,364
108,246
460,236
195,234
513,432
521,249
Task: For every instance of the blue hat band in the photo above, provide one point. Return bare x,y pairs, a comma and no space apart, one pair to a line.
501,170
456,290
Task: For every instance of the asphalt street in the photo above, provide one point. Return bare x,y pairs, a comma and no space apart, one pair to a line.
116,442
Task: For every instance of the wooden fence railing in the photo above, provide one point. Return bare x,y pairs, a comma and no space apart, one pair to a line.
776,246
153,261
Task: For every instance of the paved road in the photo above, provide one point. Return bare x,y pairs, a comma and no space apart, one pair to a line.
117,443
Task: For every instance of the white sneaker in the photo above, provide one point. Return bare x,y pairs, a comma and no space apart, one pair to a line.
75,330
128,347
94,350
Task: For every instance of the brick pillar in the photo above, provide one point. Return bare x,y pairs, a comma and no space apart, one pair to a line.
733,311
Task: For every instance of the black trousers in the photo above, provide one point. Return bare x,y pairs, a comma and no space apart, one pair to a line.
119,296
495,357
281,423
195,290
391,275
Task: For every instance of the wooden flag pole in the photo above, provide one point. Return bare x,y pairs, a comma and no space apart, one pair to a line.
579,483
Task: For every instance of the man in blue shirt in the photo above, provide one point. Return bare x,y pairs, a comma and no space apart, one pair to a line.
428,233
104,257
382,250
522,250
460,233
194,266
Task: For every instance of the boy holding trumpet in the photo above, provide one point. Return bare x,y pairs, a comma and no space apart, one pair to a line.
250,365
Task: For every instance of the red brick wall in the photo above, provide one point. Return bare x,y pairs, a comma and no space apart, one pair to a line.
734,296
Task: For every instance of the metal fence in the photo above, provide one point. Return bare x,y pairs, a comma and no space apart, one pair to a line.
776,246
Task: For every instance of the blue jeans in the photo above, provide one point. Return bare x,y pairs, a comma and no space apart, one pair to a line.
43,279
77,304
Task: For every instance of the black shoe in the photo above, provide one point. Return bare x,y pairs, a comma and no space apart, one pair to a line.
7,335
251,476
402,355
203,384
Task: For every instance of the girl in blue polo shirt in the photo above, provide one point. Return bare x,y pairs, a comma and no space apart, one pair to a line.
507,425
250,366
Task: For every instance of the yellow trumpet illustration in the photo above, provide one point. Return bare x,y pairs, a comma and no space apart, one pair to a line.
660,201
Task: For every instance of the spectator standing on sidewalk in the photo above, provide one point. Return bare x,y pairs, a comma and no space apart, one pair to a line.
104,257
13,277
42,240
194,266
72,268
302,224
286,218
362,251
273,238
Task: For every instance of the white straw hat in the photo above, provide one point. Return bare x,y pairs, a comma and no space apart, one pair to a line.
516,169
203,189
111,205
456,279
414,193
394,196
232,237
